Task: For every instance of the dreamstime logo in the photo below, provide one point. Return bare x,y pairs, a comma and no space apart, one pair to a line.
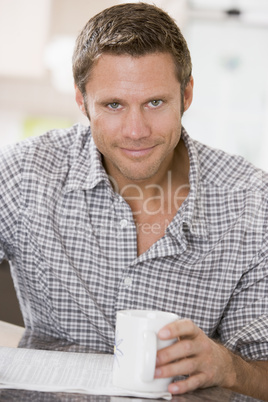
114,230
155,228
162,200
152,205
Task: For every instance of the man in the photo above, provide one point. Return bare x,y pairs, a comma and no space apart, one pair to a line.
131,213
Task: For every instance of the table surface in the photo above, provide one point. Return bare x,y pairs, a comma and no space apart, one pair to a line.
34,341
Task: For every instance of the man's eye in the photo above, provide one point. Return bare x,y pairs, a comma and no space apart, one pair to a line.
156,102
113,105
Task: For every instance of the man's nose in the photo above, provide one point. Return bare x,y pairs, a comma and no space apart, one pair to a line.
136,125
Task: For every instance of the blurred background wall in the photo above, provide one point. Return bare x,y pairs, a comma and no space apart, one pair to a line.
228,40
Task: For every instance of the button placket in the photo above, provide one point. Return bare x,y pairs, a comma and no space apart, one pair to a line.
123,212
126,232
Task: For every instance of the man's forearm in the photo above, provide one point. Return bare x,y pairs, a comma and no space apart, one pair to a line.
249,377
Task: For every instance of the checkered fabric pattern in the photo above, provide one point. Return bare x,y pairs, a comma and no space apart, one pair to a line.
72,245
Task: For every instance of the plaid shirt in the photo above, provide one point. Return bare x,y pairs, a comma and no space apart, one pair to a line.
71,241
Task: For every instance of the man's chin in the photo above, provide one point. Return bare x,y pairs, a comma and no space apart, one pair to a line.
131,172
138,176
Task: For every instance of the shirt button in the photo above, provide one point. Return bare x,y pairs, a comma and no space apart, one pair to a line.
128,281
123,223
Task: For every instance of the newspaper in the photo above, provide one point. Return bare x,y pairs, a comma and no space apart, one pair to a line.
51,371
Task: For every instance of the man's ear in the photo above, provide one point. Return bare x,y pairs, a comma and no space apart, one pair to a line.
188,94
80,100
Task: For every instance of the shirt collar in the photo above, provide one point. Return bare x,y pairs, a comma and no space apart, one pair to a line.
86,163
191,215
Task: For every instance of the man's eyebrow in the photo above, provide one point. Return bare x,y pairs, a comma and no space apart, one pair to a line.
157,97
114,99
109,99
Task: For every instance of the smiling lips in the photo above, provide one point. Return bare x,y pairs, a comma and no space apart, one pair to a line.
137,152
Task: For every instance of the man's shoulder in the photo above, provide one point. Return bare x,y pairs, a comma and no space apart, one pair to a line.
58,139
54,144
221,169
47,156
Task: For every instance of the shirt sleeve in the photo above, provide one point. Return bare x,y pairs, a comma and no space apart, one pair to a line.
244,327
10,177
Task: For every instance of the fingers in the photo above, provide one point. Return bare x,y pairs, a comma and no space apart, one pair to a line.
186,367
190,384
188,334
179,329
197,377
177,368
179,350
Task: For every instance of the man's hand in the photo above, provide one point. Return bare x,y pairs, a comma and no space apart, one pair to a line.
207,363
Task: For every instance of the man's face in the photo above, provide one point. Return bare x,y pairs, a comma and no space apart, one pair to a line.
134,104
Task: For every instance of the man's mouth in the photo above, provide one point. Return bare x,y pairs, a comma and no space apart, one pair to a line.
137,152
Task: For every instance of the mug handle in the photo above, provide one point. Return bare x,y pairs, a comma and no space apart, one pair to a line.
149,356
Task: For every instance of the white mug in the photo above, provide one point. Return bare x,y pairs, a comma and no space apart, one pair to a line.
136,345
